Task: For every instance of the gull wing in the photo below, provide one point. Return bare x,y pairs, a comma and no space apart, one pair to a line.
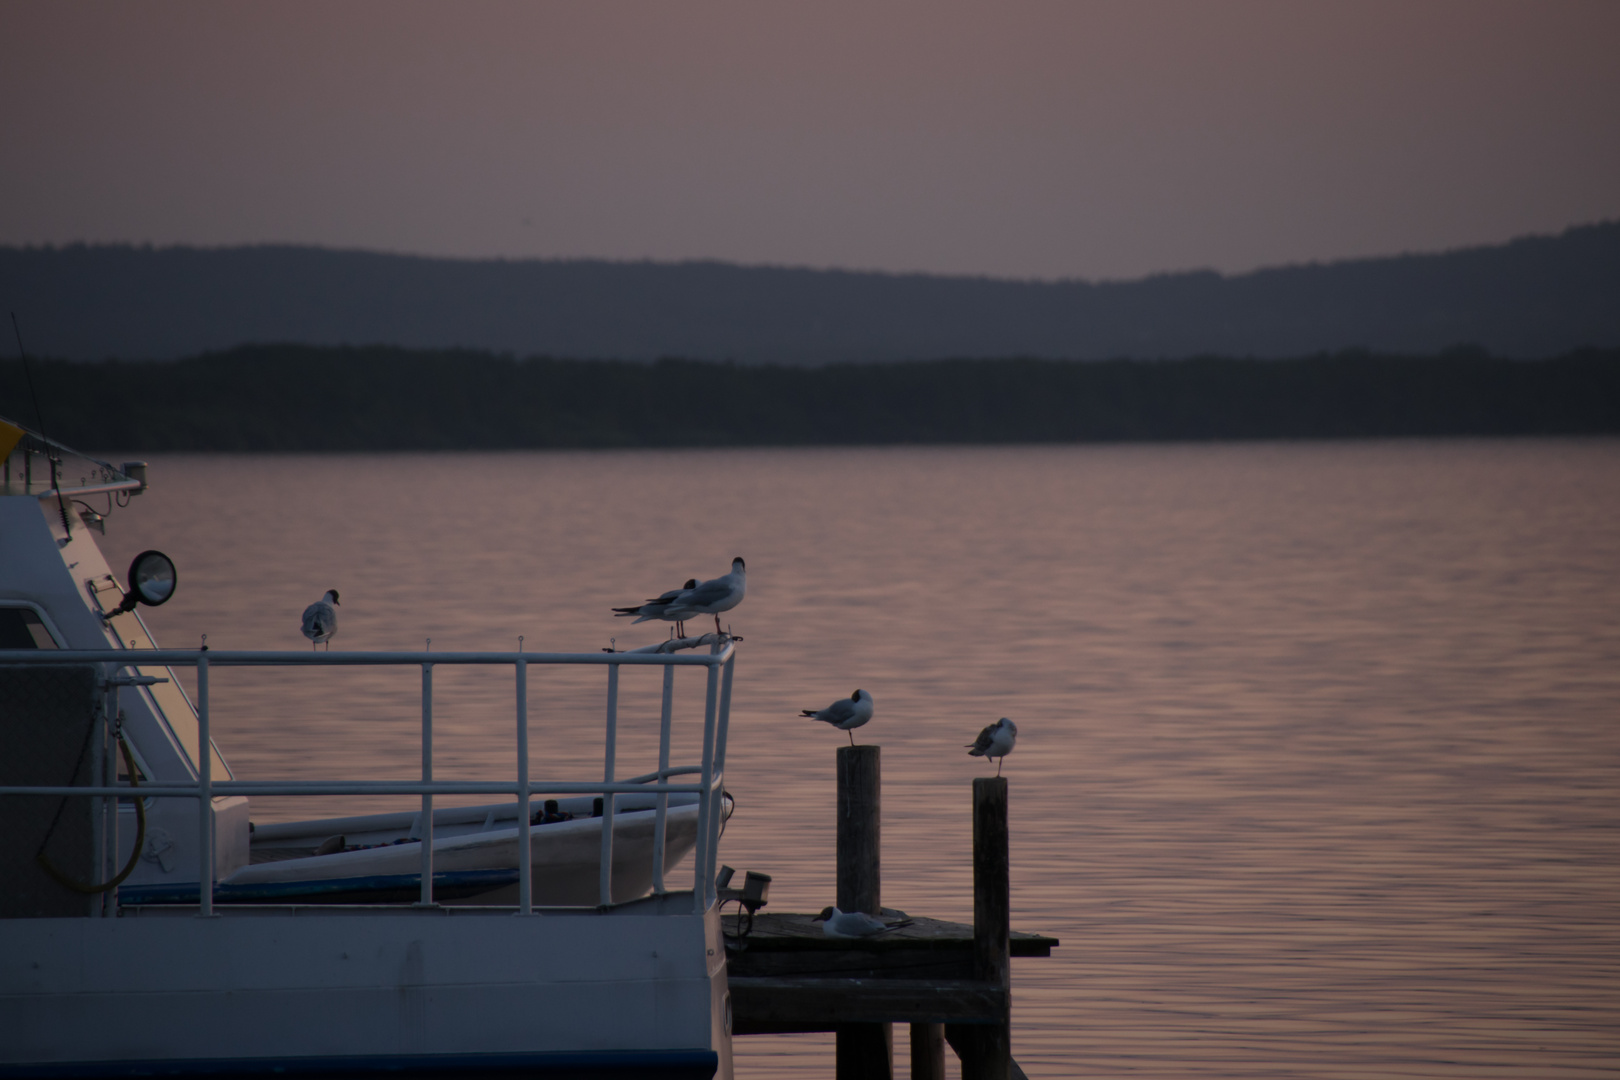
319,619
707,593
838,712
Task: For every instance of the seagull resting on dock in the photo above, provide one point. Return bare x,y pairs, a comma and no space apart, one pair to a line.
995,741
320,619
712,597
853,924
845,714
658,607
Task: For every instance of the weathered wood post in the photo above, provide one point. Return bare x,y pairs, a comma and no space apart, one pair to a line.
927,1052
986,1049
860,862
865,1051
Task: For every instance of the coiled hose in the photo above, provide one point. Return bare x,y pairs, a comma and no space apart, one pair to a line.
134,856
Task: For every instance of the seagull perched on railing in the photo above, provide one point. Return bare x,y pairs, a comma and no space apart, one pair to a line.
845,714
712,597
320,619
995,741
853,924
658,607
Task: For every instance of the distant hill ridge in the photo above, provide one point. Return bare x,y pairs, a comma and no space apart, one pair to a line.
1532,297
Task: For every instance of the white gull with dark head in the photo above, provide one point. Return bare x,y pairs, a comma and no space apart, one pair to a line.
713,596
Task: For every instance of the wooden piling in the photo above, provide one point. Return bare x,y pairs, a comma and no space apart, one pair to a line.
865,1051
992,895
860,870
986,1049
927,1052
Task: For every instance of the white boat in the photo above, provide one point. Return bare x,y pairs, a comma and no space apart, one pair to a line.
139,935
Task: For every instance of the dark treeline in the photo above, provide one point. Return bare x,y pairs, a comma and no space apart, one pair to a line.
1531,298
291,398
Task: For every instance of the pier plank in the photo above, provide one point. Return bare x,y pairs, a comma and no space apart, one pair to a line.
789,932
809,1004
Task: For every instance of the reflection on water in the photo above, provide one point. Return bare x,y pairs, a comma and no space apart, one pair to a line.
1318,743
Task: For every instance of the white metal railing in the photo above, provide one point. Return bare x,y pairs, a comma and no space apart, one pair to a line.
37,466
709,788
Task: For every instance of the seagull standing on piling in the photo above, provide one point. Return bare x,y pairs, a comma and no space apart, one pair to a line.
712,597
658,607
320,619
845,714
995,741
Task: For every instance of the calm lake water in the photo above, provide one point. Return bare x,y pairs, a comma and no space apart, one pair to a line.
1319,743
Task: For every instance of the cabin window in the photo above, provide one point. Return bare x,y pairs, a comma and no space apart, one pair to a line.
22,628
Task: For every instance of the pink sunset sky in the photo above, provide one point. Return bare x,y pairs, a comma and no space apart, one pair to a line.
1020,139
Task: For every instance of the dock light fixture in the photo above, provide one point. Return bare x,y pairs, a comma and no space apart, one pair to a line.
754,894
756,891
152,578
135,470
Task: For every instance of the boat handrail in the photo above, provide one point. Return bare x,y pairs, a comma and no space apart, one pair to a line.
709,787
67,473
299,658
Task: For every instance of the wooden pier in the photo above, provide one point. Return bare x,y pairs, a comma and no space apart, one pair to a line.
949,981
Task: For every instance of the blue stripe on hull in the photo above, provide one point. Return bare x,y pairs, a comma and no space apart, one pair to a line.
449,884
583,1065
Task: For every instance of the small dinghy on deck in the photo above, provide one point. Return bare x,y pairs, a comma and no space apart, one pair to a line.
377,858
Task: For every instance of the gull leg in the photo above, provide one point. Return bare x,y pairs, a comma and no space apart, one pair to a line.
717,625
851,735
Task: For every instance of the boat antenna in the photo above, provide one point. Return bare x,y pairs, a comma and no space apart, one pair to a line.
39,418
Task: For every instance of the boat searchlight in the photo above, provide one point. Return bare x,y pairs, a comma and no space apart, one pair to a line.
151,581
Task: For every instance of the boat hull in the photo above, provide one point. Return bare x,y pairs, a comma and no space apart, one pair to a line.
320,991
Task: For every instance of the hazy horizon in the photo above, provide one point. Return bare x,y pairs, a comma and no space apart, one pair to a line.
708,260
1035,141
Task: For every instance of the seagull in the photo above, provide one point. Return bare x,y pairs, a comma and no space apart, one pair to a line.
853,924
995,741
845,714
320,619
658,608
712,597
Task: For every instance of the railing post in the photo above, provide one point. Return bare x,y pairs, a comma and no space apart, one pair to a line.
205,796
426,830
722,726
110,770
609,754
702,856
662,813
105,840
525,852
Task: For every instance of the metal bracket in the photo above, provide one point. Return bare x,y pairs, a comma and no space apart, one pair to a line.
134,680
